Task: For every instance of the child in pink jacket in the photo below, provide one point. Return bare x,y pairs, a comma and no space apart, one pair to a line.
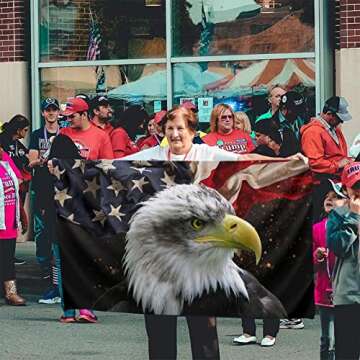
324,261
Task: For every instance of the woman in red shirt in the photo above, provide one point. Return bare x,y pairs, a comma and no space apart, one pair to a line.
224,134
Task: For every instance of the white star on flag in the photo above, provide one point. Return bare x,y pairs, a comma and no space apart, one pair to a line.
61,196
116,187
139,184
168,180
92,186
116,212
99,216
106,166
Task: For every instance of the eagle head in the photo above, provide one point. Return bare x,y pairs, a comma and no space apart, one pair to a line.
181,243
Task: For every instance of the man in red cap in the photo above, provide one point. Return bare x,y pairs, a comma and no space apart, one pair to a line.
342,232
154,140
92,142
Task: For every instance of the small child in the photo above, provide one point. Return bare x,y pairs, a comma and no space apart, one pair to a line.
342,233
324,261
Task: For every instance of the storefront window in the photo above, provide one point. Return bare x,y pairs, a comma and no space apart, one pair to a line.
243,84
129,84
230,27
73,30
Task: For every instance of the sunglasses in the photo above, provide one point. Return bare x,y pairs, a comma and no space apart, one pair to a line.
224,117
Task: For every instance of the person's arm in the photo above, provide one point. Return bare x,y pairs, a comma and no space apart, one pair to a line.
258,157
121,144
312,146
342,232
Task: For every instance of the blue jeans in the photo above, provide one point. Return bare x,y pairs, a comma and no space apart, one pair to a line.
56,251
42,236
327,339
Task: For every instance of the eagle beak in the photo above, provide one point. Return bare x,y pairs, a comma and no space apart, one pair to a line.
234,233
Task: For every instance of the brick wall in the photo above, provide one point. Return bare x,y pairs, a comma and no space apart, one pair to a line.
65,35
349,14
12,30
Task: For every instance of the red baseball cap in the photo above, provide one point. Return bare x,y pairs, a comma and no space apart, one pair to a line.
75,105
351,174
159,116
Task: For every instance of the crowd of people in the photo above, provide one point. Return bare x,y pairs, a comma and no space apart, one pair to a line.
284,132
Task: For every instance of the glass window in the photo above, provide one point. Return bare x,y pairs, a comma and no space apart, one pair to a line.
230,27
133,90
72,30
243,84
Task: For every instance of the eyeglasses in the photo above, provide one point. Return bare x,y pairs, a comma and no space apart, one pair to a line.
224,117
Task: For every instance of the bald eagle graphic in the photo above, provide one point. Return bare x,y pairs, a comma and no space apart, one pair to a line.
179,257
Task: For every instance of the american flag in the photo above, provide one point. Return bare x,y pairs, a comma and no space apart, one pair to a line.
96,199
93,52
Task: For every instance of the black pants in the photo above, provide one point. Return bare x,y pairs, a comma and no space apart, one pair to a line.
161,331
347,332
271,327
7,265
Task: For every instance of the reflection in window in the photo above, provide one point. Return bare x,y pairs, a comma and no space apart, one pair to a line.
228,27
124,84
245,85
126,28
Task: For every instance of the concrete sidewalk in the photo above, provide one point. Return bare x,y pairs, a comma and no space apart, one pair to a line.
33,332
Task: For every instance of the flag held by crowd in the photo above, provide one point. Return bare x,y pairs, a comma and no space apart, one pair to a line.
96,201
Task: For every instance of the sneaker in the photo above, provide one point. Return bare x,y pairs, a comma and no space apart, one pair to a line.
268,341
18,261
67,319
51,296
244,340
86,317
291,324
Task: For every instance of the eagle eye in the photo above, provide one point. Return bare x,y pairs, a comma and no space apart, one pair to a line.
197,224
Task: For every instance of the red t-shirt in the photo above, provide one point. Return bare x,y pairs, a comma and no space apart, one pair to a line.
10,199
93,143
121,143
237,141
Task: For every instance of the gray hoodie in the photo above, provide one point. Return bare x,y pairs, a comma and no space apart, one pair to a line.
342,232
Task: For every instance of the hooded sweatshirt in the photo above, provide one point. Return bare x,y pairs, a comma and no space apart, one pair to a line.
342,232
323,150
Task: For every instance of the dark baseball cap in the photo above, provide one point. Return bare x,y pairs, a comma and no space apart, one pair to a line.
49,102
99,100
338,105
292,100
75,105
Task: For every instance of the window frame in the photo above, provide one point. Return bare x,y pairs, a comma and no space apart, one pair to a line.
323,65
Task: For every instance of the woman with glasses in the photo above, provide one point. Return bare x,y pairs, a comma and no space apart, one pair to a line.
224,133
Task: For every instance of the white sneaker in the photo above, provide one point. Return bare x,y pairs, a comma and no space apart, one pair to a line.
266,341
244,340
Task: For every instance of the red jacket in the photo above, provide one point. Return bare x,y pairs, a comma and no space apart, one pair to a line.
121,143
323,269
321,149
